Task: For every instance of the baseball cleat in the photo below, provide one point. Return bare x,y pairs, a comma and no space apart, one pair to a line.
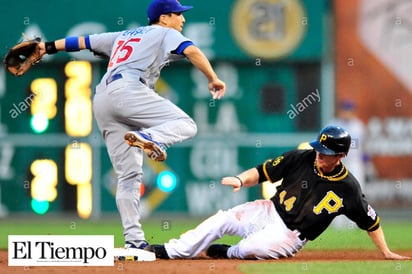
140,244
154,150
159,250
217,251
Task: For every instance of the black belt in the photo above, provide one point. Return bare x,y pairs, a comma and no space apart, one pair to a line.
303,238
118,76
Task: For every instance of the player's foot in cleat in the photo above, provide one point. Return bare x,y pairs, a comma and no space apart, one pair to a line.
158,250
154,150
217,251
140,244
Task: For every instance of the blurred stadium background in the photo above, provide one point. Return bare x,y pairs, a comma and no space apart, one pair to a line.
288,65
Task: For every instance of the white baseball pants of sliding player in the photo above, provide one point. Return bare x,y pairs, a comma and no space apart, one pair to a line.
265,236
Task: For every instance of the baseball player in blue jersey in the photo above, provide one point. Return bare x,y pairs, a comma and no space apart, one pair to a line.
315,188
131,116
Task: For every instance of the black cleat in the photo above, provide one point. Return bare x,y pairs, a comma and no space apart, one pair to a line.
217,251
158,250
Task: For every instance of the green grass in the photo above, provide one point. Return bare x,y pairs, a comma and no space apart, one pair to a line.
160,230
157,230
398,236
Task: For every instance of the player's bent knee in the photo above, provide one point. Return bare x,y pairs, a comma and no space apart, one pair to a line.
192,127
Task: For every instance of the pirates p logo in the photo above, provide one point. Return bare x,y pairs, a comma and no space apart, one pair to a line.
331,203
323,137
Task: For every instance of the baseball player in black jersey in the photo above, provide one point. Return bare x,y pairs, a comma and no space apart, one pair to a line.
315,188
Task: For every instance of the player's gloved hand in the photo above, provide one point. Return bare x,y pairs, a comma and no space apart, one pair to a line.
22,56
217,88
232,181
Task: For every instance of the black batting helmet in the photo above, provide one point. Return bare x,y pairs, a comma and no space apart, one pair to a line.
332,140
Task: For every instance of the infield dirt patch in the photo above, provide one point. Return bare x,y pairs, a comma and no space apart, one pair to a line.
196,266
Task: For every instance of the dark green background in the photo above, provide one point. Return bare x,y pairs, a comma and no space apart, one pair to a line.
259,93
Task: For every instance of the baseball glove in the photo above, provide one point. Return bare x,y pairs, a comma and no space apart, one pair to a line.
22,56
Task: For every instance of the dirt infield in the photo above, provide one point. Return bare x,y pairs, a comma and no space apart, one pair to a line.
196,266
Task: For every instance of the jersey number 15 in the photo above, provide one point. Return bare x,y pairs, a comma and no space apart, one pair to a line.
122,51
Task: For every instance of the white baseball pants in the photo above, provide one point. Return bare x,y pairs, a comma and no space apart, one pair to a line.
265,236
126,104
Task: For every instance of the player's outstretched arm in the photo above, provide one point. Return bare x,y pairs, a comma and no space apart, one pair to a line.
378,238
247,178
22,56
62,45
216,86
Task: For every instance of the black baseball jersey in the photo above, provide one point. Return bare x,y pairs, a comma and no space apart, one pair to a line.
308,200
